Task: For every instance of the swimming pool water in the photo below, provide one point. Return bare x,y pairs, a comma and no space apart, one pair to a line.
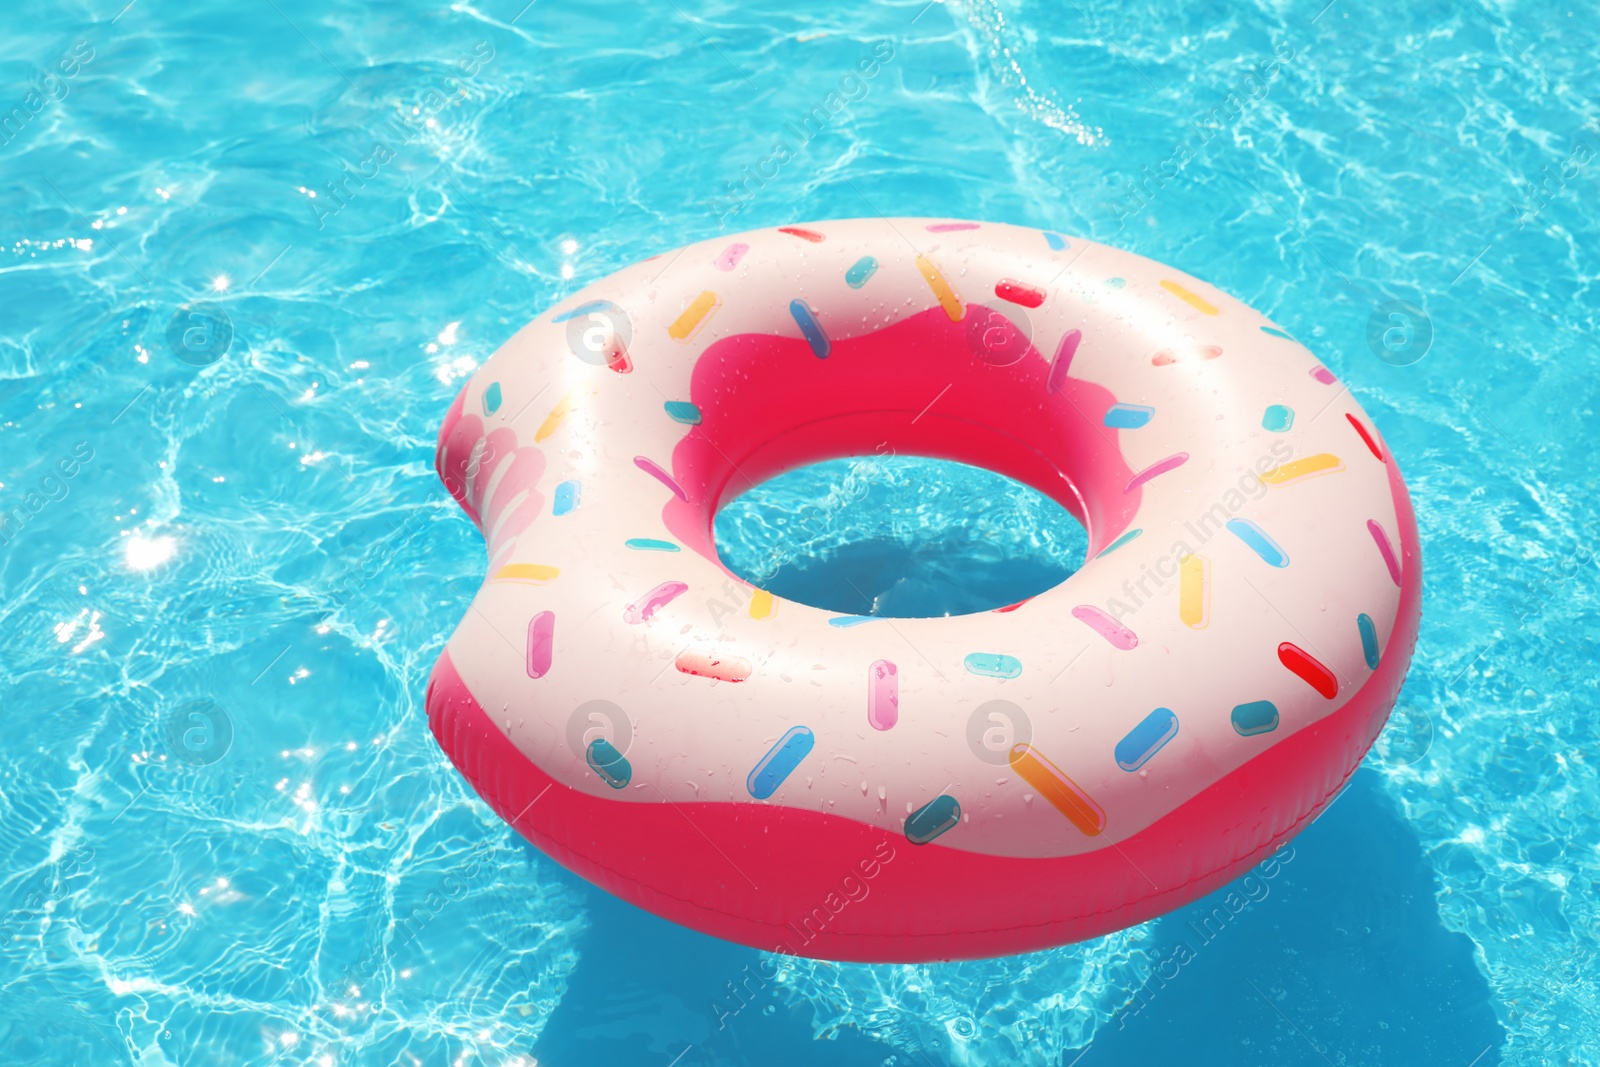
226,835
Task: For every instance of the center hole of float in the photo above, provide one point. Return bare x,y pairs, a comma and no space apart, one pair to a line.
898,536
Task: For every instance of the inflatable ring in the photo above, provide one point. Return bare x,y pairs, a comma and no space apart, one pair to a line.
932,788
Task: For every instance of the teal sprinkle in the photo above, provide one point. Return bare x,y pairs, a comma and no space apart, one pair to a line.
491,398
1119,542
684,412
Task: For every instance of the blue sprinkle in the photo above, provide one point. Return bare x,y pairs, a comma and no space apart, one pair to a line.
1055,241
1146,739
683,411
806,319
1119,542
1276,332
1277,418
1259,542
1116,283
491,398
1128,416
566,498
938,815
582,309
1369,640
651,544
612,766
857,275
780,761
1256,717
993,664
842,621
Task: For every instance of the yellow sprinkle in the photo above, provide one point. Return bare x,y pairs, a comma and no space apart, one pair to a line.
694,316
1301,469
526,572
762,605
1198,303
1194,592
947,296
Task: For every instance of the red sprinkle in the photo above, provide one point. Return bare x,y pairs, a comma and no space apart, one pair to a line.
1310,669
805,235
1012,607
1017,293
1365,436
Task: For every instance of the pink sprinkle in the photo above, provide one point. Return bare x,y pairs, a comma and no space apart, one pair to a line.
804,234
1063,361
1323,375
1107,627
731,256
1160,466
659,597
1385,549
541,640
661,476
948,227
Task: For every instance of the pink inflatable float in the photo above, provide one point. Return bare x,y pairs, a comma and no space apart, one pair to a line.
916,789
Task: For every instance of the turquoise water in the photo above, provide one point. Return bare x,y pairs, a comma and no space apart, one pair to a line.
225,834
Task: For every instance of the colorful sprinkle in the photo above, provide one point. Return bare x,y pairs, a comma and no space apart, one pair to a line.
947,297
537,573
1256,717
1369,640
846,621
731,256
805,235
1301,469
650,468
1146,739
1062,361
1196,302
709,665
763,605
1115,283
1113,631
1056,242
566,498
1277,418
806,319
992,664
686,325
1309,669
1128,416
557,416
1119,542
857,275
1366,438
1194,592
1259,542
610,765
1385,549
951,227
683,411
1188,354
937,816
1274,331
541,642
651,544
1017,293
646,606
1323,375
584,309
491,398
780,762
1012,607
1062,792
1160,466
883,695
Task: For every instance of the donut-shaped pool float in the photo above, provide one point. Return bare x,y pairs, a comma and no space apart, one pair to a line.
919,788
